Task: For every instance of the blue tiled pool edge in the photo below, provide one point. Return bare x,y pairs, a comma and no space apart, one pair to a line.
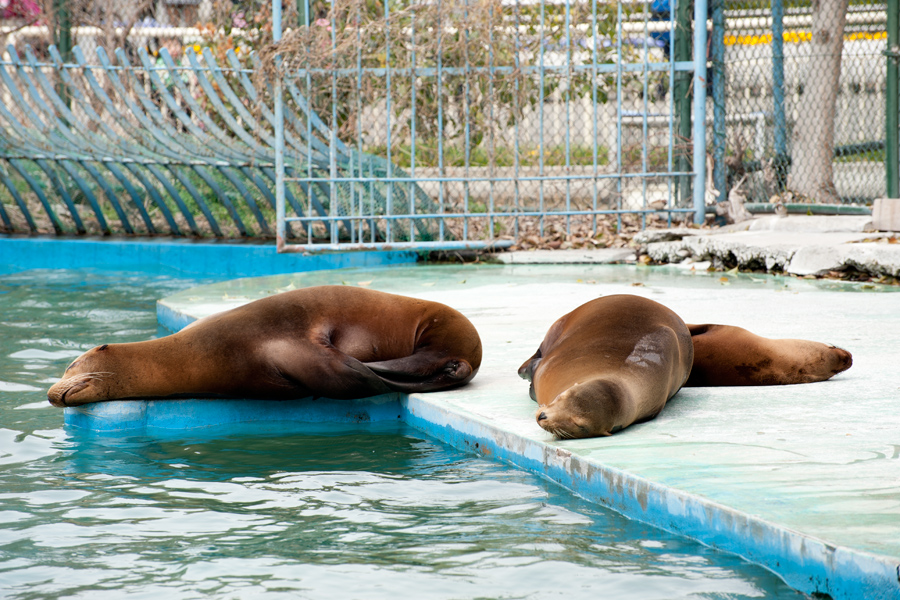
219,259
805,563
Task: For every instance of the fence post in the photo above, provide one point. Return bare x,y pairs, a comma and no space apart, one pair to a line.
699,137
717,49
892,107
779,122
62,34
681,52
279,134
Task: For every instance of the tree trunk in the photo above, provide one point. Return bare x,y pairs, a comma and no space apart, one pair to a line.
813,139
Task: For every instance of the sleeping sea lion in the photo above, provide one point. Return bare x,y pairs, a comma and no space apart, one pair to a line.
607,364
728,355
332,341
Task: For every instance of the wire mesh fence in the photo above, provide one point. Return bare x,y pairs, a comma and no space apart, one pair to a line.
803,94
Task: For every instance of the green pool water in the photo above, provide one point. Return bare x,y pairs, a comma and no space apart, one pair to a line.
333,511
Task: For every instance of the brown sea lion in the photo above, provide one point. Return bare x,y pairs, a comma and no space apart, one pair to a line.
607,364
332,341
728,355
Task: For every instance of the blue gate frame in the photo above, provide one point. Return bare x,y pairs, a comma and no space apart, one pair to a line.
417,221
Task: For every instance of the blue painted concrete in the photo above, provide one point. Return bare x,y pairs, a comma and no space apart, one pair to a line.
195,414
805,563
178,257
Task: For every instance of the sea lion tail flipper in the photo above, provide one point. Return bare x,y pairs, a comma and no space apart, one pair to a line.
422,371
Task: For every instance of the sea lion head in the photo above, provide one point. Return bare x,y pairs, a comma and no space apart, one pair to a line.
590,409
88,379
840,360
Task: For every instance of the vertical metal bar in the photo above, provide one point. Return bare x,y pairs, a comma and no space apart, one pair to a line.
699,134
568,159
440,112
645,130
516,153
412,126
892,106
333,201
359,138
308,189
64,43
778,115
279,135
672,110
718,86
541,38
468,129
492,157
595,39
389,209
619,17
681,49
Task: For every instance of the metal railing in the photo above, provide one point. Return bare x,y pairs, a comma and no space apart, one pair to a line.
600,87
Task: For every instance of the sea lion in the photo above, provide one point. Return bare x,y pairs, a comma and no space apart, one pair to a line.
728,355
332,341
607,364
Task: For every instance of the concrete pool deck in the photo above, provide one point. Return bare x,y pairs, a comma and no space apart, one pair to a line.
802,479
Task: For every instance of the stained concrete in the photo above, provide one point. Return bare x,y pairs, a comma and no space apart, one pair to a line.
797,245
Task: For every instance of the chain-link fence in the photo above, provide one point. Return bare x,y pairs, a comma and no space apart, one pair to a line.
804,119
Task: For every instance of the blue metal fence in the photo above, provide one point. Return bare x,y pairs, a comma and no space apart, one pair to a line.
601,118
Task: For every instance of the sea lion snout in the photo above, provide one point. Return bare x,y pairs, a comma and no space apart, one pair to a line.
67,388
583,410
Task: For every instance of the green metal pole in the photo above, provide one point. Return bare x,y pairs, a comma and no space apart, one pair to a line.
302,13
892,106
63,40
681,51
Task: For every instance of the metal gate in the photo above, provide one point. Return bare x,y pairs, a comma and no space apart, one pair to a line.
436,125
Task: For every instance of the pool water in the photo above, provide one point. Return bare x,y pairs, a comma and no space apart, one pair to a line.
329,511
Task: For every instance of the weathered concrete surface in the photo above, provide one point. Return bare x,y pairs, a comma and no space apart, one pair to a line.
797,245
568,257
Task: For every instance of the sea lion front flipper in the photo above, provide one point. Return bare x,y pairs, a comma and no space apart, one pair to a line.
422,371
329,373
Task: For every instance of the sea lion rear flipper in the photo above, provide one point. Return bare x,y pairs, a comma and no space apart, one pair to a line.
422,371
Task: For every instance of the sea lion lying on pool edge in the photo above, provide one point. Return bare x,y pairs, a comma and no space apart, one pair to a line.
333,341
607,364
728,355
722,355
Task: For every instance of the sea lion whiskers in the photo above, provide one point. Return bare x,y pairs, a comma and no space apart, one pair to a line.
74,383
